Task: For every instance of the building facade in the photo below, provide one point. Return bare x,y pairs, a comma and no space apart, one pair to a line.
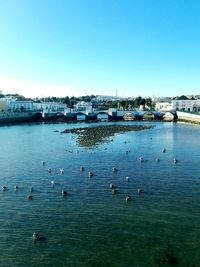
184,103
3,105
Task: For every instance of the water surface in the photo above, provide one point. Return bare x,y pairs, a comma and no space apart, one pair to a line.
91,227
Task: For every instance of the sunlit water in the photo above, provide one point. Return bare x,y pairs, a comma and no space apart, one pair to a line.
90,226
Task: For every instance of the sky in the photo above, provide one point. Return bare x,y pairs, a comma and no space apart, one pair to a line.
101,47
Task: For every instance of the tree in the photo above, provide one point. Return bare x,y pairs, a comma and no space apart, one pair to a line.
123,104
66,100
138,101
142,102
150,103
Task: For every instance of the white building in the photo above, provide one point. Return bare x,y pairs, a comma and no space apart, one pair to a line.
12,104
3,105
83,106
184,103
50,106
163,106
20,105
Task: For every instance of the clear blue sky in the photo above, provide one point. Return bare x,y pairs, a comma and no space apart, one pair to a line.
78,47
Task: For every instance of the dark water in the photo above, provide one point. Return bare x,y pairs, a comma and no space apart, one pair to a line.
90,226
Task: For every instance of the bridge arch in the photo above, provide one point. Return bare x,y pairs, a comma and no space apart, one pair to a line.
102,116
80,116
148,115
158,115
169,116
129,116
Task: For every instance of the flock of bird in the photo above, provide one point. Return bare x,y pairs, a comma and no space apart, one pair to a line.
112,187
90,174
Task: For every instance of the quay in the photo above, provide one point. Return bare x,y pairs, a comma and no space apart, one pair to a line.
188,117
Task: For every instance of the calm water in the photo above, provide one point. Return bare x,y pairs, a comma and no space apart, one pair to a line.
91,227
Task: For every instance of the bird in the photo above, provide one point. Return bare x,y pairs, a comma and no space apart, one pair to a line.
4,188
43,163
64,193
140,190
16,187
114,169
164,150
127,178
128,198
112,186
49,170
35,236
30,197
81,168
141,159
90,174
175,160
61,171
157,159
53,183
114,191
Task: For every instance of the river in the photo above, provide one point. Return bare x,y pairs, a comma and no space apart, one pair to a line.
90,227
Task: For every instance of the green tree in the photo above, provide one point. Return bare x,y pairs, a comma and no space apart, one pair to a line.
138,101
123,104
66,100
150,103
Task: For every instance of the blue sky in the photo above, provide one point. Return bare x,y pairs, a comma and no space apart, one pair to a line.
78,47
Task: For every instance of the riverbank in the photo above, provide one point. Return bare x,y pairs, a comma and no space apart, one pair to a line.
188,117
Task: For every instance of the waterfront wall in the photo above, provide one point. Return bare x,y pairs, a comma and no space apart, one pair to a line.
190,117
10,117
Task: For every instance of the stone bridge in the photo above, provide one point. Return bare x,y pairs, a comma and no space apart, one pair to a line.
116,114
147,115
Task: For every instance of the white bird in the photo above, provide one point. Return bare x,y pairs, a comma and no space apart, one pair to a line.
61,171
112,186
81,168
127,178
35,236
90,174
141,159
128,198
4,188
64,193
140,191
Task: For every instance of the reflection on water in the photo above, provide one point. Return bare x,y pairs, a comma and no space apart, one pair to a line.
90,226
